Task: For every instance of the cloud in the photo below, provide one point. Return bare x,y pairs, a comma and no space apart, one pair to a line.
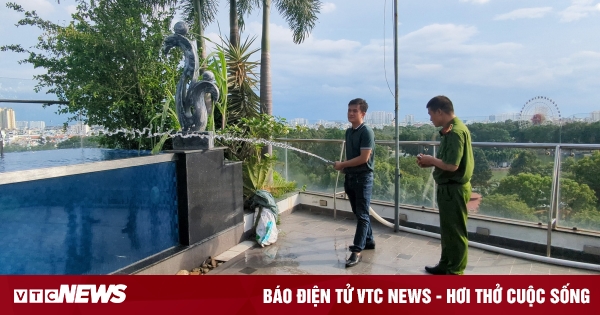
453,55
442,53
525,13
446,54
327,7
429,67
476,1
448,39
343,90
450,54
71,9
581,66
579,9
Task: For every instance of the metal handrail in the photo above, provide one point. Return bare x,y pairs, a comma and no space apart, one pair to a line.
574,146
310,140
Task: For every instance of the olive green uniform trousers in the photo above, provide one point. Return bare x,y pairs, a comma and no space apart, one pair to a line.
452,202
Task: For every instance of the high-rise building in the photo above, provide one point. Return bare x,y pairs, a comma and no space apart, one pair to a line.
7,119
595,115
409,119
379,118
40,125
299,122
21,125
79,129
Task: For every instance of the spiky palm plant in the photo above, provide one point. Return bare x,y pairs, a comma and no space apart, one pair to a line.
243,81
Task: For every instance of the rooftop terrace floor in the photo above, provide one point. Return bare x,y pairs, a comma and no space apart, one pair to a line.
311,243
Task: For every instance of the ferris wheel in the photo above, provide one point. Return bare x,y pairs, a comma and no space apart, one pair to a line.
539,110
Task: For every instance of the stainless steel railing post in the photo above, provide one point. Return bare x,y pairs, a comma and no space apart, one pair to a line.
434,190
286,164
554,201
336,182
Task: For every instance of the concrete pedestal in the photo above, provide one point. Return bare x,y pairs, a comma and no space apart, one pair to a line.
194,141
210,193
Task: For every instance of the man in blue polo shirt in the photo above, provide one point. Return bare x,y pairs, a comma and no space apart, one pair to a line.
358,169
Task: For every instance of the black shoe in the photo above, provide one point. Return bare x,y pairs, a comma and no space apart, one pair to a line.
370,246
353,260
437,270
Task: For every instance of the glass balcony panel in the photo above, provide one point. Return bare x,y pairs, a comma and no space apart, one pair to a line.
310,173
416,184
579,190
512,183
508,183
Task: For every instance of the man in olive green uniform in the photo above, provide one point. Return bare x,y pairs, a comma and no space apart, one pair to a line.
453,170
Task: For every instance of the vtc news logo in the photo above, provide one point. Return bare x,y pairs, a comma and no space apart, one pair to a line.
74,293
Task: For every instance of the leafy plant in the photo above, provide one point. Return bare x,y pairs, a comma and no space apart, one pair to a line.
256,173
243,102
159,122
256,177
257,168
217,64
106,62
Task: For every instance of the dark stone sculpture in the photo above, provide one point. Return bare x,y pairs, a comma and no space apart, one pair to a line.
190,99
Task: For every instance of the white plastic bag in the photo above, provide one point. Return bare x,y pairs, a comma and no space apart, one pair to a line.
266,227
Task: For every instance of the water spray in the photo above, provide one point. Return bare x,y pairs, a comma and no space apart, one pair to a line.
147,132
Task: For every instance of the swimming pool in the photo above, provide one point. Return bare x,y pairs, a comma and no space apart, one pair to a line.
94,218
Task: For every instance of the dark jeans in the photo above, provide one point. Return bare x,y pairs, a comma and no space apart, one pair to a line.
359,188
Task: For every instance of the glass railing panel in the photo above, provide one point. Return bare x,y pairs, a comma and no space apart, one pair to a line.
308,172
512,183
579,206
509,182
492,165
416,184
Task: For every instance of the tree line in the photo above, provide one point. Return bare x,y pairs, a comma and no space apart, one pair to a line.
520,190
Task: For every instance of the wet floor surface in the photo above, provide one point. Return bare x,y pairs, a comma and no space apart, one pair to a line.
317,244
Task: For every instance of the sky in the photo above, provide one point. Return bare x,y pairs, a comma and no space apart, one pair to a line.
488,56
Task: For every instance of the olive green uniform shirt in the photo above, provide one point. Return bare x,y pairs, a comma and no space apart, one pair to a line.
455,148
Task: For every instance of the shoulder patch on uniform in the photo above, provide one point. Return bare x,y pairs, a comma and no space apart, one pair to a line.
446,130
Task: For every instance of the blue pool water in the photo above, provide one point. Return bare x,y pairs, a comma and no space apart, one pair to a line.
92,223
19,161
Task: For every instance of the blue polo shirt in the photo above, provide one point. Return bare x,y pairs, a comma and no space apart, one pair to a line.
356,140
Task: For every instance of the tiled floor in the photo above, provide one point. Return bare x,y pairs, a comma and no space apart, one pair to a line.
317,244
